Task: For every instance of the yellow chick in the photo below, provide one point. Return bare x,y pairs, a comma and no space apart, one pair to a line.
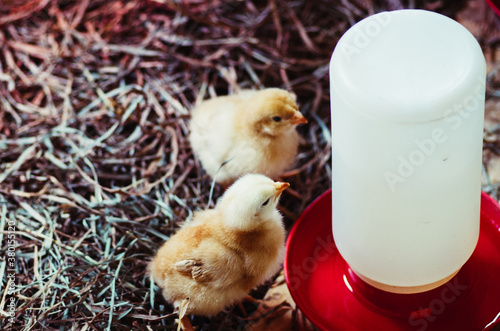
249,132
222,253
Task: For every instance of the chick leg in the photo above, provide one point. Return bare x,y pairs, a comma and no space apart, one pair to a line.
184,322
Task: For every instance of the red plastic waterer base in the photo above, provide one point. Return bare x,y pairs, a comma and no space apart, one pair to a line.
334,298
495,5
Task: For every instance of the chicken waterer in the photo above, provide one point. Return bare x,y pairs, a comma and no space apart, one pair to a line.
405,240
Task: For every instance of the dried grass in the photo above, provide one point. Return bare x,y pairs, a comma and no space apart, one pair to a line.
95,168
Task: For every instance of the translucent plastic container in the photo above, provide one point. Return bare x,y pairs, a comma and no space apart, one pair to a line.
407,99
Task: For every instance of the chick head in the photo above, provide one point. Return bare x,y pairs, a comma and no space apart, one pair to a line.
275,112
252,199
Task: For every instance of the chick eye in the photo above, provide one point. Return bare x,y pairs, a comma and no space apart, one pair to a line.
265,202
277,118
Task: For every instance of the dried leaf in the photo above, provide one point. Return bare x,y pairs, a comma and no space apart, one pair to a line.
278,311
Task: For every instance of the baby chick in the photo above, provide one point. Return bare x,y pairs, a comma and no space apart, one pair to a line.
250,132
222,253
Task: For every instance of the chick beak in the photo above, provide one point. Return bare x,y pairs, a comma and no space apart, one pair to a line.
280,187
298,118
